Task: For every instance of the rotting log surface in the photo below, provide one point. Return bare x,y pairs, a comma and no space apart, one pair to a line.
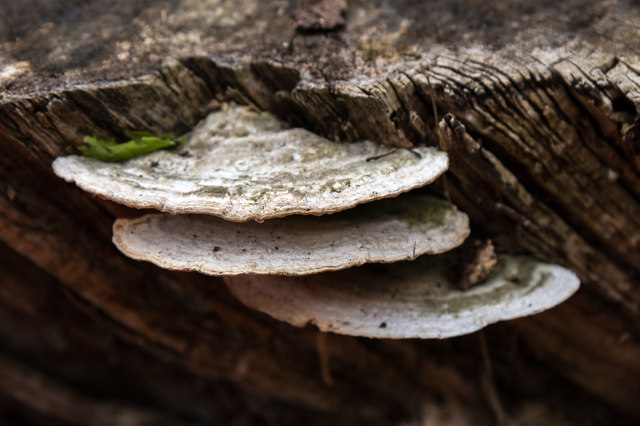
537,103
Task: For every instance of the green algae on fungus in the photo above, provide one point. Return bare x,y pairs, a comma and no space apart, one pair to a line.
372,232
142,143
267,171
407,299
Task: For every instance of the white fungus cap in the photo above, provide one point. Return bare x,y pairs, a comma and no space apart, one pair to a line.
383,231
407,299
240,165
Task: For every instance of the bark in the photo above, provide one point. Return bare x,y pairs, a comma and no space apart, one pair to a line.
536,104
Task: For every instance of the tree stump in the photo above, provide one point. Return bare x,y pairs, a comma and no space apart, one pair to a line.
537,104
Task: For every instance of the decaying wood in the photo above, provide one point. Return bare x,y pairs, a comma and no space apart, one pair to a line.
476,262
538,107
319,15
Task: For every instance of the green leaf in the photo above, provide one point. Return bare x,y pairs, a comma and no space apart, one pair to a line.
141,143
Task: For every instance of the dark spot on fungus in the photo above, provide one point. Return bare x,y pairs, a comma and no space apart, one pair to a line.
377,157
383,325
216,248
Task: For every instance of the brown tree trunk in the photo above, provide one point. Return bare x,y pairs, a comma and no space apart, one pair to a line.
537,103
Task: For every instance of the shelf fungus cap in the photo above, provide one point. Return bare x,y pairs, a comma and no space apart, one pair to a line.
383,231
241,166
407,299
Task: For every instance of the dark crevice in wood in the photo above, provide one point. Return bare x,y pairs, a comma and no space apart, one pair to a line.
96,112
207,71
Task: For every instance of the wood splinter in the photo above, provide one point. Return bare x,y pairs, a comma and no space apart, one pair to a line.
476,262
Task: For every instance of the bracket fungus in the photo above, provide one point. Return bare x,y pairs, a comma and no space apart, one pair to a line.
241,165
246,167
382,231
406,299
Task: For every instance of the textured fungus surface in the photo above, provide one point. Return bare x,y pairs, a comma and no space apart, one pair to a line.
407,299
241,165
382,231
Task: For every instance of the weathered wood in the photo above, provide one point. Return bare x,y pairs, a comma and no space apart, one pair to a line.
55,346
538,106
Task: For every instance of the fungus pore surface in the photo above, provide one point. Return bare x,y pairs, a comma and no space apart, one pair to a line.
241,165
407,299
382,231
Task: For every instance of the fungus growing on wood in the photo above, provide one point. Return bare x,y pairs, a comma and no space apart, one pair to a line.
407,299
382,231
241,165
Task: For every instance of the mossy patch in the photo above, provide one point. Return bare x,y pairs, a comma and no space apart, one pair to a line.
414,211
425,210
214,191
